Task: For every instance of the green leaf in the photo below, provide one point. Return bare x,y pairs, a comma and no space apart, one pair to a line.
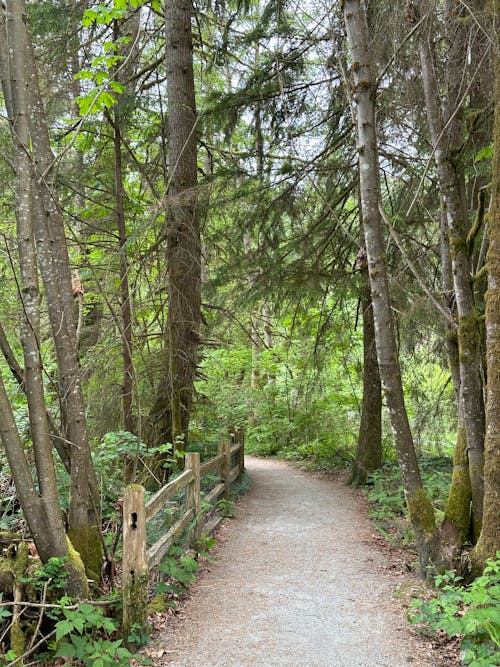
66,650
485,153
63,628
117,87
107,99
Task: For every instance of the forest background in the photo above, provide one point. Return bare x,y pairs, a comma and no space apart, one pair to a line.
188,245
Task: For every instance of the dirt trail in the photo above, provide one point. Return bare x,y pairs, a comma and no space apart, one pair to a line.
295,583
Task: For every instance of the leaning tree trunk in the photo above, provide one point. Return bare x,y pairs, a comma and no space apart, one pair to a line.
369,449
53,262
446,140
489,541
40,505
172,409
420,508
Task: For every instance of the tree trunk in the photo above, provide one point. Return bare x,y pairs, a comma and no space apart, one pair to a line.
419,505
456,526
53,262
489,541
173,406
369,449
29,285
125,305
40,506
446,141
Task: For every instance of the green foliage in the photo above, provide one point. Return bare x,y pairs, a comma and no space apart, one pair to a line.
4,612
205,544
388,508
471,613
486,153
9,657
85,634
51,576
227,508
179,570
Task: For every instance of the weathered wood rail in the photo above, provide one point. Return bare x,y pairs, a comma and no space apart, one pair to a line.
138,559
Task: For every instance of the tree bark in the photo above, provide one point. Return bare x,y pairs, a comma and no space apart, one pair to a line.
369,449
29,286
419,505
125,305
172,409
40,505
53,262
447,140
489,541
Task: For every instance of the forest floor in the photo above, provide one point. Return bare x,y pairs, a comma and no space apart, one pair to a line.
298,579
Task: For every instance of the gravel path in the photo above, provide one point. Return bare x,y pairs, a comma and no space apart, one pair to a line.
295,583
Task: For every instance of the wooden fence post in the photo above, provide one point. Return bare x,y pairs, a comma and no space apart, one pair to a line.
227,468
193,493
135,562
240,437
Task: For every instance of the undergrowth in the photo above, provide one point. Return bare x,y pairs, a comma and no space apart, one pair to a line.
470,613
387,504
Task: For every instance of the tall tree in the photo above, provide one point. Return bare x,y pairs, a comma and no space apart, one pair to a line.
53,262
489,541
447,136
419,505
173,406
41,507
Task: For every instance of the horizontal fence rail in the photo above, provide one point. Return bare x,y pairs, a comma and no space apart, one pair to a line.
138,560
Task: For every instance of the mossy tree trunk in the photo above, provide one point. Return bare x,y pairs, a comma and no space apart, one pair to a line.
489,540
51,256
456,527
420,508
447,139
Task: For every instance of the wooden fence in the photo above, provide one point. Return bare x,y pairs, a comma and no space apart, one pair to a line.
138,560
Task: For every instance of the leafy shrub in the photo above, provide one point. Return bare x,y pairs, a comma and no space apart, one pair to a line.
471,613
179,571
84,634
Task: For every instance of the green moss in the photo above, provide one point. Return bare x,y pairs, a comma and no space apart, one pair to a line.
134,487
88,545
93,562
77,579
458,506
17,638
158,605
422,513
6,576
13,566
468,336
21,561
135,608
458,246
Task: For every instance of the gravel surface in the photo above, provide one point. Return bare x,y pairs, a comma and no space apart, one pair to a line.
296,582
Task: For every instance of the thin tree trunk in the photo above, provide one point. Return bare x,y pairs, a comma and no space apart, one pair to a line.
34,509
126,311
456,526
369,449
419,505
29,283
